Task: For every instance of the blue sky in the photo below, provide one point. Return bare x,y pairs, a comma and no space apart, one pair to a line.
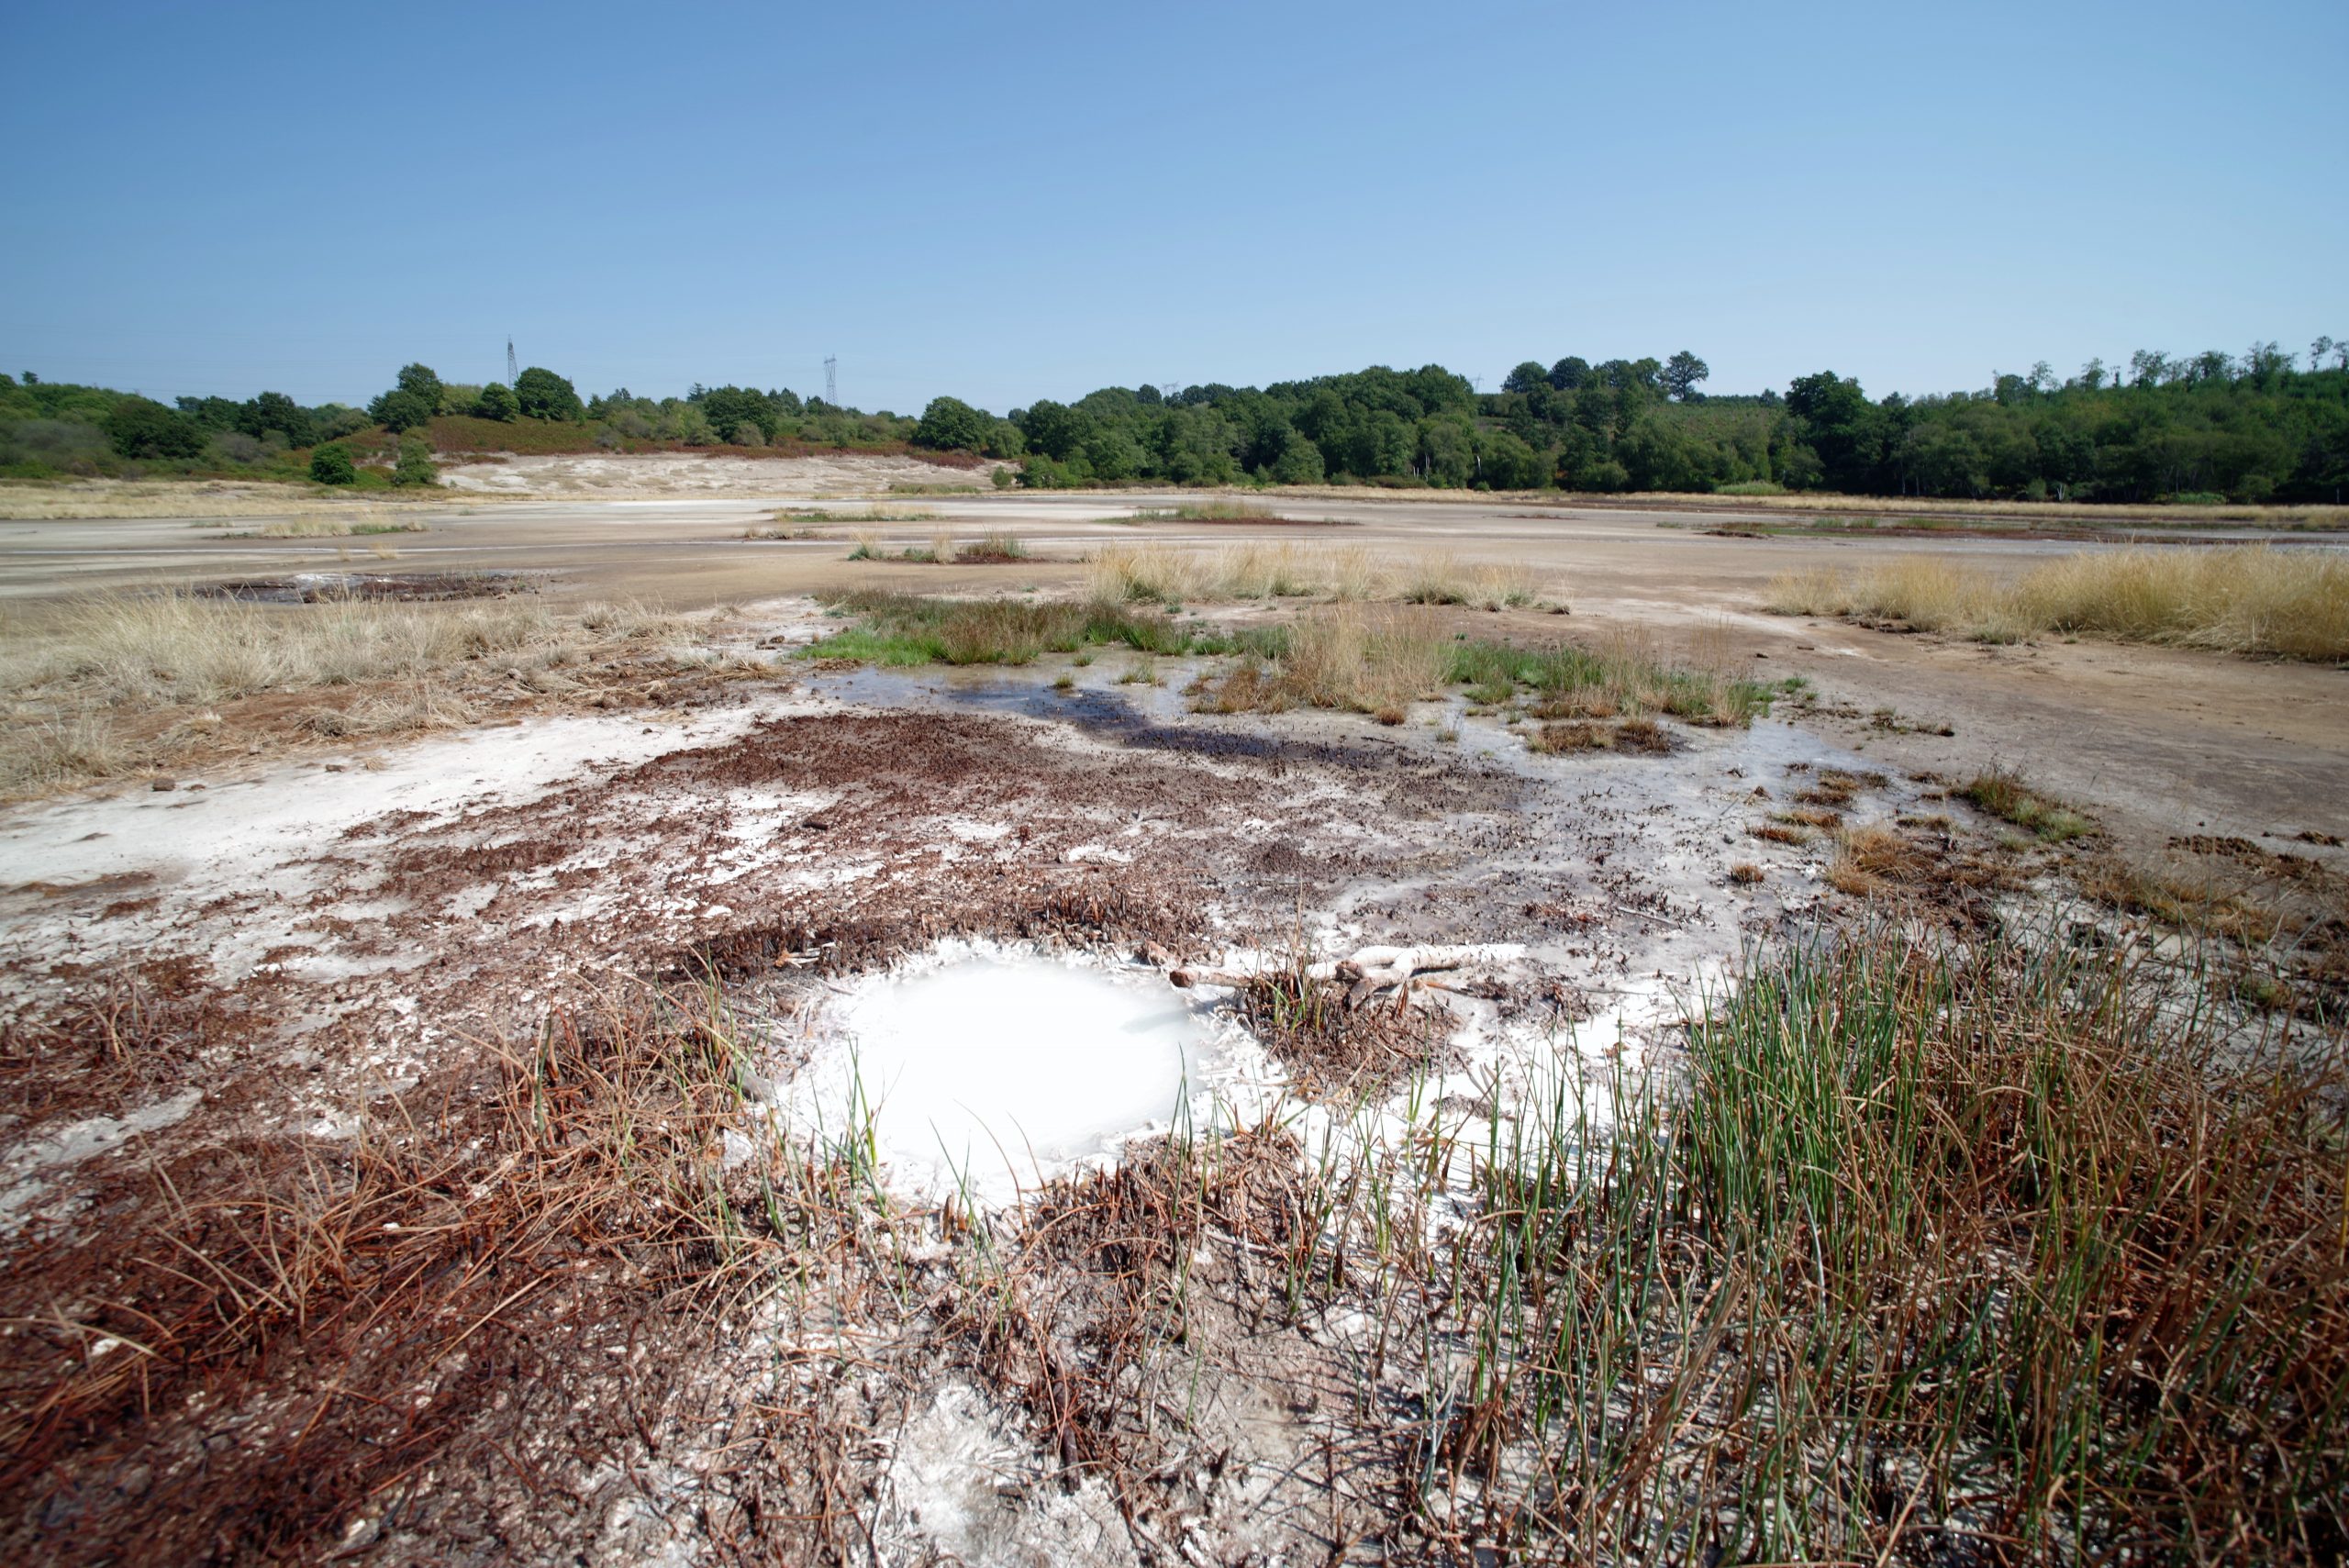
1014,201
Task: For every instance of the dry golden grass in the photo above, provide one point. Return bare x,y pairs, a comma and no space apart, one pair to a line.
1441,580
1574,735
1347,573
1872,859
1373,659
321,525
2258,599
2194,901
1162,572
121,683
1376,660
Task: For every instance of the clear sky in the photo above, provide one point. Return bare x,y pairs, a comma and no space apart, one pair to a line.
1017,201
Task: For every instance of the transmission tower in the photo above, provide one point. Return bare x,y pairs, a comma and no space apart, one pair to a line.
832,380
512,375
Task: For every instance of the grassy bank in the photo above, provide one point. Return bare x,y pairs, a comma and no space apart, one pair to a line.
2255,599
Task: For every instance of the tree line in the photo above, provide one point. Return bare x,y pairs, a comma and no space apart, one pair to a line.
2266,425
2258,426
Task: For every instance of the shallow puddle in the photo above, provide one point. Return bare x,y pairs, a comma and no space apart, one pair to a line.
988,1071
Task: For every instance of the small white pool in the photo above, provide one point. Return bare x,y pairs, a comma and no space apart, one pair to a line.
990,1070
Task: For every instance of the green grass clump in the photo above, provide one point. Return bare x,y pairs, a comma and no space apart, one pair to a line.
1216,511
908,629
2003,794
1576,682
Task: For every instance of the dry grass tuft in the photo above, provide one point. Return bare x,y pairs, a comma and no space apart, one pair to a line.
2257,599
1489,585
1872,859
1375,661
1643,735
1334,1043
1348,573
993,548
318,525
122,683
1576,735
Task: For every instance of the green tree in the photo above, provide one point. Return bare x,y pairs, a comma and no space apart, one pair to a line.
332,421
1570,373
415,465
1447,450
496,401
1681,375
542,394
275,411
421,381
1112,454
1055,429
1841,426
140,428
1505,462
730,407
401,410
1526,377
331,464
1300,463
211,413
949,424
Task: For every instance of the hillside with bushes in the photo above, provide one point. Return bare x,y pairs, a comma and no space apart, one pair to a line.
2261,426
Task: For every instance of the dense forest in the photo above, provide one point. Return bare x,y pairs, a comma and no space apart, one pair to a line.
2263,426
